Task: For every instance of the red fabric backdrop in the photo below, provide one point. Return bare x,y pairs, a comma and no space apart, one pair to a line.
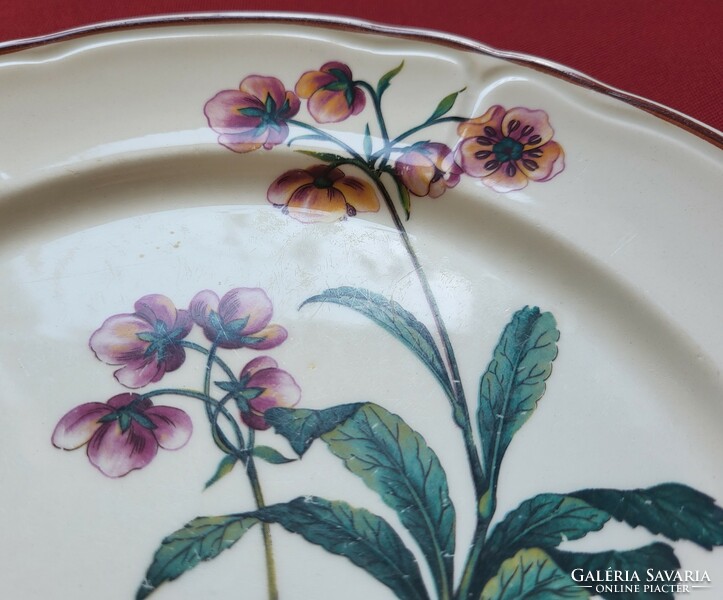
669,51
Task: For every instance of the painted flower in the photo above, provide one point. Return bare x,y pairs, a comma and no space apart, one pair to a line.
331,92
262,385
239,319
145,342
428,169
322,194
506,149
253,116
123,434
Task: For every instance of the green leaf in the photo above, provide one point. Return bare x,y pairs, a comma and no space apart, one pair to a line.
302,426
445,105
270,455
322,156
657,556
531,575
365,539
386,79
671,509
545,520
224,468
389,315
203,538
395,461
514,382
367,142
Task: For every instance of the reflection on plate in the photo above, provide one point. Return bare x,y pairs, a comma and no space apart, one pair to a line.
289,294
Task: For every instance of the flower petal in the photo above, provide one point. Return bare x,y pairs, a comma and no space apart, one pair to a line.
337,66
310,204
359,193
283,187
262,87
139,373
224,112
327,106
246,303
173,426
416,171
312,81
533,127
257,364
476,127
156,307
78,426
117,341
280,389
116,453
473,158
121,400
270,337
201,306
546,166
504,179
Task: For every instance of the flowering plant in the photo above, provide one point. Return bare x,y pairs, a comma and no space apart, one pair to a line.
514,557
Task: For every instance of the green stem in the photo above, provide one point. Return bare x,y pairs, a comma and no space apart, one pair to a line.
265,528
469,575
387,148
215,409
220,362
377,108
329,137
459,402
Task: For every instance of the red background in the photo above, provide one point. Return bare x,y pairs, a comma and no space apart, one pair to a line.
669,51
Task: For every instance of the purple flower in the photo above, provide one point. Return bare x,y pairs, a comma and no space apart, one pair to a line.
428,169
239,319
262,385
252,116
124,434
145,342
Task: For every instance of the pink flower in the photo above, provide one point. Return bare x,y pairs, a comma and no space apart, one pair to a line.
262,385
322,194
254,115
428,169
145,342
239,319
332,94
506,149
124,434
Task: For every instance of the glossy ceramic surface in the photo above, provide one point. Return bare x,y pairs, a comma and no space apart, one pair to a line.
307,259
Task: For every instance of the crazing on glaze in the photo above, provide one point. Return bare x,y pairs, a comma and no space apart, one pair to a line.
520,555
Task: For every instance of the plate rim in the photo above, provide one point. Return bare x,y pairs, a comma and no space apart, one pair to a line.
449,40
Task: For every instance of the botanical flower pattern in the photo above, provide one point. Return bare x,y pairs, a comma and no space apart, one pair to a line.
331,92
254,115
428,169
123,434
506,149
145,342
240,319
322,193
265,386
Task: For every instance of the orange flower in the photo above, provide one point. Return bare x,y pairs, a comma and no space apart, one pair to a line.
322,194
332,94
506,149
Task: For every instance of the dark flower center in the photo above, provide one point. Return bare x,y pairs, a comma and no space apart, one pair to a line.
323,182
507,149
